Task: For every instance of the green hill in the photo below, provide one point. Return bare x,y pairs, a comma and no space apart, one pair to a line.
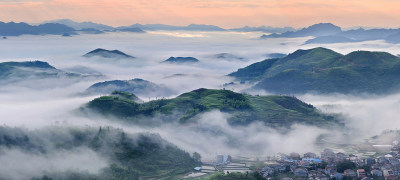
8,68
275,111
12,72
325,71
137,86
130,156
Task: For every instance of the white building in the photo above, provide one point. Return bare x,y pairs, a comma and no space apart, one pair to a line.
221,159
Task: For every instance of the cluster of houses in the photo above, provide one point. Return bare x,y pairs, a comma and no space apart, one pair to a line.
331,165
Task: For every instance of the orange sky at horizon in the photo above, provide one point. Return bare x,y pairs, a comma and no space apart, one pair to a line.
224,13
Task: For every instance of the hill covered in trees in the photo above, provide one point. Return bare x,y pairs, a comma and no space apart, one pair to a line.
11,72
274,111
137,86
129,156
322,70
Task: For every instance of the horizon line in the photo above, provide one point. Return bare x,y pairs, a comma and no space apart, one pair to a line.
286,26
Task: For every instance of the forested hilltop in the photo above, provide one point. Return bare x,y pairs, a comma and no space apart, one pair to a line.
322,70
274,110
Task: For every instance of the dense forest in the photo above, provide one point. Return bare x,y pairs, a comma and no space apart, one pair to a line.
130,156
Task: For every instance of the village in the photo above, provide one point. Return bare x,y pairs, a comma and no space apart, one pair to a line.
331,165
383,164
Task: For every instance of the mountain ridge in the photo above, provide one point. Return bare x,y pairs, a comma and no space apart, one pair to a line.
181,60
327,33
100,52
81,25
135,86
17,29
325,71
274,111
321,29
13,72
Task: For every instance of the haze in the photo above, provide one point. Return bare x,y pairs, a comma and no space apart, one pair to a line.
225,13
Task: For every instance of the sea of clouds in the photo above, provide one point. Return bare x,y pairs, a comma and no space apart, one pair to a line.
54,101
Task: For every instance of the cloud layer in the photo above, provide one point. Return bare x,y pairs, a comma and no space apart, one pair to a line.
55,103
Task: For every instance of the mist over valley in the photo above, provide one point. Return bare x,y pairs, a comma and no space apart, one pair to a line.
106,106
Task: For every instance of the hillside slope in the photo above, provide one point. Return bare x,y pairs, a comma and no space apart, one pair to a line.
129,156
325,71
136,86
11,72
274,111
104,53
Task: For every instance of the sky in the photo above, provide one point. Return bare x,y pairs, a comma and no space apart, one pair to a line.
224,13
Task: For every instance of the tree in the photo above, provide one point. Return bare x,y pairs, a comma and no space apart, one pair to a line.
366,168
229,158
287,169
341,167
196,156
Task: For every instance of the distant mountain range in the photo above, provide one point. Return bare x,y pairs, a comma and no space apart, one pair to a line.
370,34
156,27
323,33
131,29
322,29
191,27
325,71
104,53
63,27
327,33
17,29
82,25
273,111
265,29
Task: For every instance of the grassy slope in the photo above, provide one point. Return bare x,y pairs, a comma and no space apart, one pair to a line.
272,110
326,71
254,71
301,59
304,60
